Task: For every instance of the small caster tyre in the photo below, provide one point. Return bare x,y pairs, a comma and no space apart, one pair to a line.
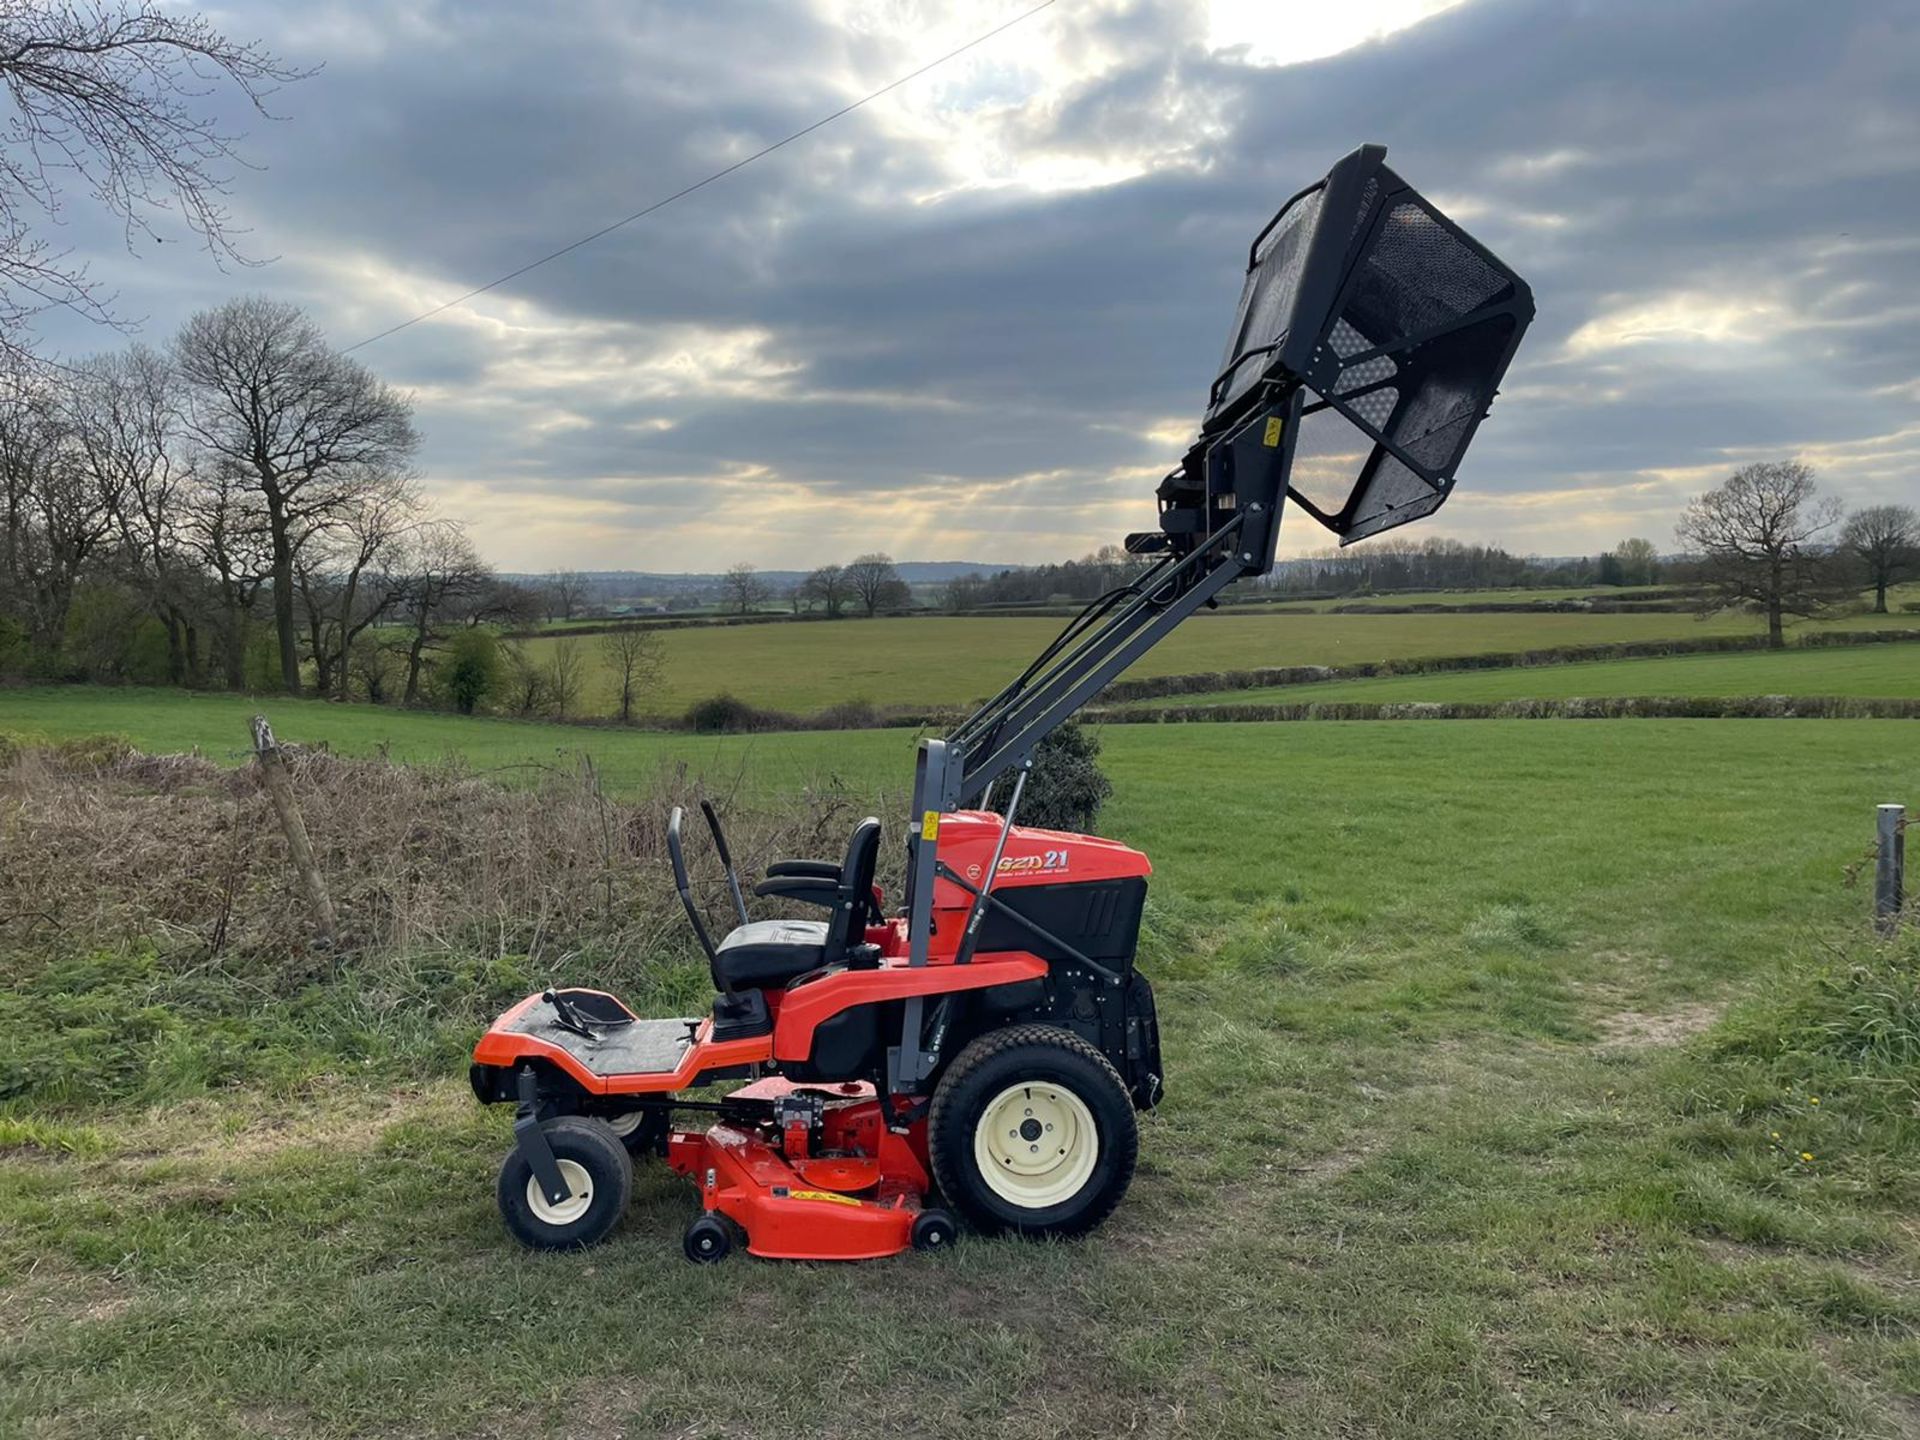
599,1176
933,1230
708,1241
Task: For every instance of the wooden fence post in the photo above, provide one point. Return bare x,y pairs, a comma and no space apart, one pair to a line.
273,770
1889,869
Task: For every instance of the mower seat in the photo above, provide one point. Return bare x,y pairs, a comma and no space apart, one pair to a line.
762,954
768,953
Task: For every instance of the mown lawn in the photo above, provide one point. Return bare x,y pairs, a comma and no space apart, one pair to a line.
1457,1144
952,660
1891,671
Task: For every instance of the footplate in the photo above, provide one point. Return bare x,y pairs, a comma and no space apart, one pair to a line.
606,1044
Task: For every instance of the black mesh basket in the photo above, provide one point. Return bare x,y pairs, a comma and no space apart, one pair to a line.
1397,325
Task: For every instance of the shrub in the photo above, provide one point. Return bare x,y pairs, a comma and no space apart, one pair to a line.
472,669
730,715
849,715
13,647
1067,786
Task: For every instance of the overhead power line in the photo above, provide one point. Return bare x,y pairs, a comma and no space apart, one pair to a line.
702,184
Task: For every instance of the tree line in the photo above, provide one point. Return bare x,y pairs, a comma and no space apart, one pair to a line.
238,508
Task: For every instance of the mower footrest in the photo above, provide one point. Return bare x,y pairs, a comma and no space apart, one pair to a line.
639,1047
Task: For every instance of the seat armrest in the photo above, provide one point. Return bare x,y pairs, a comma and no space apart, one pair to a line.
807,889
812,869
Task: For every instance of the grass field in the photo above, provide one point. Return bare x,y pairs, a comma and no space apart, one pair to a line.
1891,671
949,661
168,721
1459,1140
1492,597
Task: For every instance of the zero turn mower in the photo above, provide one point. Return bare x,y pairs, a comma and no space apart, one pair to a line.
989,1040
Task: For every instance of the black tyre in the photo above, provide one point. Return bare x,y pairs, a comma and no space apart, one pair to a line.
643,1131
708,1241
933,1230
1032,1131
599,1175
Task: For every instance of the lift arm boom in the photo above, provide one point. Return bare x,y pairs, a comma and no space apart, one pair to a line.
1371,337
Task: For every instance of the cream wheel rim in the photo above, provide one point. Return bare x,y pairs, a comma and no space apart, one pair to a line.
1036,1144
579,1195
625,1125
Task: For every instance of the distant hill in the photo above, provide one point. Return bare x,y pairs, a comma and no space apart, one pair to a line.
914,572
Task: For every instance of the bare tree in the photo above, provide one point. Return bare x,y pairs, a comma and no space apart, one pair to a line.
962,593
1637,561
125,416
225,528
351,574
874,582
61,511
30,439
743,588
566,674
1758,535
504,602
567,592
829,586
1886,540
309,428
635,658
526,681
112,97
444,577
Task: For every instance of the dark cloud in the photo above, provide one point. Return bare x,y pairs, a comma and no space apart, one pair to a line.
1715,203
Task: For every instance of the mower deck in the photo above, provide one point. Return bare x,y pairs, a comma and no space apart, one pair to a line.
851,1190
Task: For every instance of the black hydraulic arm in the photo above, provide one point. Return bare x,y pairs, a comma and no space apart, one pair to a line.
1221,516
1371,337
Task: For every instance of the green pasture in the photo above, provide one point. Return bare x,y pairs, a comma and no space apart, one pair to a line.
1513,1091
945,661
1518,596
1877,671
161,721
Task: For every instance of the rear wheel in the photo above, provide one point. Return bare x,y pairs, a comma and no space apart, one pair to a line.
1032,1131
599,1176
643,1132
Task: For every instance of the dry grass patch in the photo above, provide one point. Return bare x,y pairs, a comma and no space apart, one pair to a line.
1640,1029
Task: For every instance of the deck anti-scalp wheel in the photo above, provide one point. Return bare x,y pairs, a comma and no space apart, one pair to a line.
1032,1131
709,1239
932,1230
599,1176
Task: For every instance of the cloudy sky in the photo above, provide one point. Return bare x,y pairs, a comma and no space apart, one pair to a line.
977,319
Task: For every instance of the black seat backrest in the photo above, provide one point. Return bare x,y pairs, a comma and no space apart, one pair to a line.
850,912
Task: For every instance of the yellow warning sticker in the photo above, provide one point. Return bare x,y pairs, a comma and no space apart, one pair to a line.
821,1195
1273,431
930,825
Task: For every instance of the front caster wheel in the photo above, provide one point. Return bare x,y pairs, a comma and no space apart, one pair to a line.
599,1176
1032,1131
708,1241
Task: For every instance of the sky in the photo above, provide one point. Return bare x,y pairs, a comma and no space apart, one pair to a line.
977,319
